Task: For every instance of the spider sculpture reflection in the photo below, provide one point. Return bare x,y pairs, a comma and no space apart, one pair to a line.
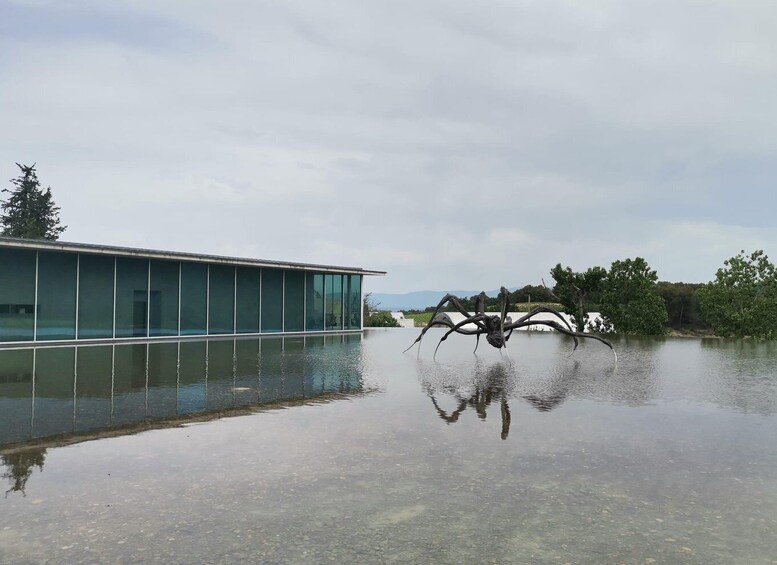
497,329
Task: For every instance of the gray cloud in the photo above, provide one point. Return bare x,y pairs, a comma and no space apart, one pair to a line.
452,144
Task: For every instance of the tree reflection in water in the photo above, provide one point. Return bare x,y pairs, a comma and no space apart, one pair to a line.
19,467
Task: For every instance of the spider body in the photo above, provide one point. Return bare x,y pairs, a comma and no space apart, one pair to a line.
495,336
497,329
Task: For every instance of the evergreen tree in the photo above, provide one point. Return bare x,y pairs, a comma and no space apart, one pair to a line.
30,211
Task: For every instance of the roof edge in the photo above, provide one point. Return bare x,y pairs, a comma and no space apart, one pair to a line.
94,249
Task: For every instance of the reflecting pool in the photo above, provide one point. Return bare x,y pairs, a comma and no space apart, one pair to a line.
343,449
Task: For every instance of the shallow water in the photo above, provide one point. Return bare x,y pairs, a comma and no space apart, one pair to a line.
347,450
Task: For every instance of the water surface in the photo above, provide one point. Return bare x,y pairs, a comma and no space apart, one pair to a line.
347,450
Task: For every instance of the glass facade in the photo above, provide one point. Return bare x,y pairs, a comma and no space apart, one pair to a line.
55,295
272,300
354,302
248,290
163,298
221,299
334,302
131,297
194,299
17,294
314,302
95,297
294,301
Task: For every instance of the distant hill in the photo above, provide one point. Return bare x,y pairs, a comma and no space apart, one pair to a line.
421,299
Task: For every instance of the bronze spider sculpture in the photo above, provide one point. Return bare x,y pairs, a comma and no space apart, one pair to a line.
497,329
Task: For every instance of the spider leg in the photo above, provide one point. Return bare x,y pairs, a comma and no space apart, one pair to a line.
505,418
539,309
442,319
551,324
439,320
559,328
480,307
504,296
457,329
477,343
434,320
456,303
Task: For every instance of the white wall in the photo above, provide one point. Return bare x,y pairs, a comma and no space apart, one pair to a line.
402,321
592,317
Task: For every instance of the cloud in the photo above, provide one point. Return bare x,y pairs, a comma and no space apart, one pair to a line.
452,144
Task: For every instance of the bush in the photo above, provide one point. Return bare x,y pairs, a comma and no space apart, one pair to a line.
629,302
742,300
380,319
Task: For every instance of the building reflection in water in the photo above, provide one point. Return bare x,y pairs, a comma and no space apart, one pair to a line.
51,392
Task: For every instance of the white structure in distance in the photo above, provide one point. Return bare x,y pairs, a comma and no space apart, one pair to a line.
404,322
593,318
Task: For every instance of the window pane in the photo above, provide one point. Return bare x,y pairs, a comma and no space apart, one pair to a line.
95,297
346,300
248,300
355,303
57,295
163,313
314,290
194,298
17,295
131,297
294,298
337,301
272,300
334,302
222,299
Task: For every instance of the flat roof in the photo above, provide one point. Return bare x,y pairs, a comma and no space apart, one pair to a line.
47,245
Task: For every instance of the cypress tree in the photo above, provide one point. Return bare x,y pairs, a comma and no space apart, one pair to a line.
30,211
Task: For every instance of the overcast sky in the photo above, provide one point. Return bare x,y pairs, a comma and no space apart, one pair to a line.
453,144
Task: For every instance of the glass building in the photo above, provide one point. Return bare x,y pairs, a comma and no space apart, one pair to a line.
55,291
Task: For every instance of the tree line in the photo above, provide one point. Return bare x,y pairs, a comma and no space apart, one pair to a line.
740,302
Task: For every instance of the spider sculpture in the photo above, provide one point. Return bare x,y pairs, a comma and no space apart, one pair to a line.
497,329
